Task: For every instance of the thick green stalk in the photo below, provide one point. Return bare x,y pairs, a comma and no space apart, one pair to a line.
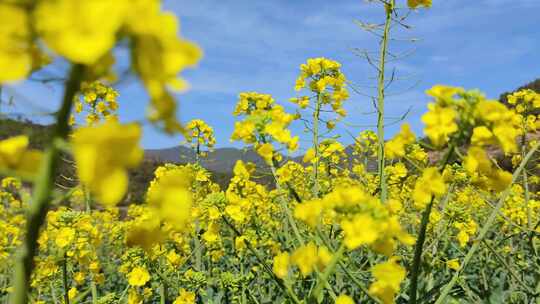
417,259
380,100
43,190
491,219
94,292
163,293
419,246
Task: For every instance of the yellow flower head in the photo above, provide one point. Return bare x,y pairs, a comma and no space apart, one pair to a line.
344,299
362,229
103,154
139,276
431,183
485,174
169,196
440,123
396,146
15,43
82,31
266,151
15,155
388,277
185,297
64,237
418,3
281,265
453,264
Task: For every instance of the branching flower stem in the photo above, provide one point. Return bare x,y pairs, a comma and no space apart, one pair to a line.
380,99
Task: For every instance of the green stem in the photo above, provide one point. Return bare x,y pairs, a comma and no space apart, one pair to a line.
65,279
323,279
415,271
526,190
198,248
94,292
380,100
448,287
43,190
419,247
87,199
198,148
286,208
316,117
162,293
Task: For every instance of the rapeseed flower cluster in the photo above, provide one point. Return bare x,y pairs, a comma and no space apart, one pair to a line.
98,101
265,122
199,135
322,77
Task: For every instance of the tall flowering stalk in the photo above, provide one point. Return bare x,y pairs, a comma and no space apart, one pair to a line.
381,85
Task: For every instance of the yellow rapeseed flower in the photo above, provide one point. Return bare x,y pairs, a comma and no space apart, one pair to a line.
15,156
344,299
431,183
440,123
396,146
362,229
80,30
266,151
485,174
64,237
388,276
103,154
305,258
159,55
169,196
139,276
185,297
72,293
440,92
281,265
453,264
417,3
15,43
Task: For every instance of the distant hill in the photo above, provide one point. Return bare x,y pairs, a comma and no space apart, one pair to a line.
38,134
220,160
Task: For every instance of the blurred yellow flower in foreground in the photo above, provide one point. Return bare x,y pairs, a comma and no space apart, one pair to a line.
15,56
103,154
15,156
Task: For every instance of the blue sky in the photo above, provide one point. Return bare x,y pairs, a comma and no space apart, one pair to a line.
492,45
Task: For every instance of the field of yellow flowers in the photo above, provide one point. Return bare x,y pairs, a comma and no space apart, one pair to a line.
438,221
